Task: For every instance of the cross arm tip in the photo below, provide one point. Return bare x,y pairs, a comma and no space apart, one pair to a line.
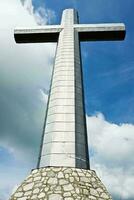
101,32
49,33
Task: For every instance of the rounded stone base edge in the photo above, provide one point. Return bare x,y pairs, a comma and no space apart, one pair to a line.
57,183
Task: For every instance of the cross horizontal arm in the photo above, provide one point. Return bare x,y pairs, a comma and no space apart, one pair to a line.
100,32
47,33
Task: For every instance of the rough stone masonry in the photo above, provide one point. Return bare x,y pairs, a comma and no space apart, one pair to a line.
63,170
57,183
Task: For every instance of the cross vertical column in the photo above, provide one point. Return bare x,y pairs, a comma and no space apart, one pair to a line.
64,140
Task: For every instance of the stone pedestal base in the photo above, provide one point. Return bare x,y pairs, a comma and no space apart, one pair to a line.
57,183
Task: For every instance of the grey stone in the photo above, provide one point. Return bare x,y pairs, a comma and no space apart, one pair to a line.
84,179
63,182
56,169
46,189
23,198
52,181
93,179
66,176
36,174
77,190
38,178
44,173
77,178
41,195
52,187
29,180
85,192
88,175
19,189
58,188
35,171
68,187
100,199
60,175
94,192
51,174
36,191
42,179
28,186
100,190
30,176
81,174
68,171
48,169
55,197
18,194
27,193
95,185
92,197
71,179
74,174
37,185
105,196
67,194
34,197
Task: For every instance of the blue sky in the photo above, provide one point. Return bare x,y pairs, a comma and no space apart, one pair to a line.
25,72
108,84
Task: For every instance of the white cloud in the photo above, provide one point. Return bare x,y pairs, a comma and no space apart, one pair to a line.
112,150
44,96
28,6
41,14
24,71
38,57
13,13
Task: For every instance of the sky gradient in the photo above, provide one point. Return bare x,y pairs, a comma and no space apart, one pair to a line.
108,69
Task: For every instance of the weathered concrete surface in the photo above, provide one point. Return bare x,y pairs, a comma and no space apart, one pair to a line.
57,183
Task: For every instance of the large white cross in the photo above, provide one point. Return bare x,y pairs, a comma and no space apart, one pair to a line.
64,141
